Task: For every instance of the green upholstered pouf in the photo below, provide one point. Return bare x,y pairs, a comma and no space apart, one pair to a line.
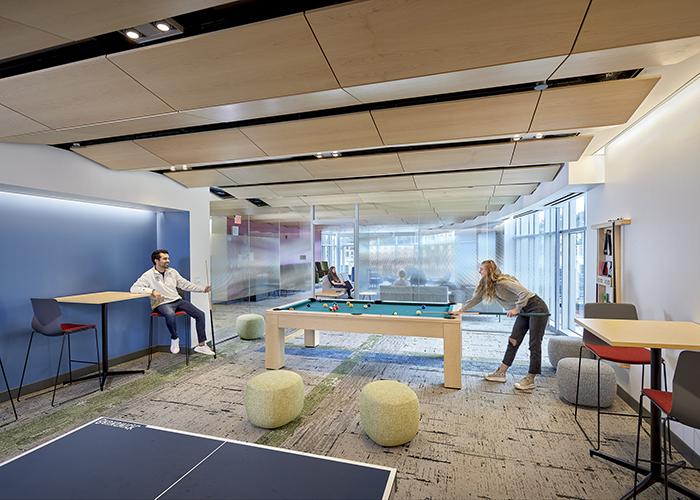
274,398
250,326
389,412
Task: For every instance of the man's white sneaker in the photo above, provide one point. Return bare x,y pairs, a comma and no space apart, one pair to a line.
527,383
497,376
174,346
204,349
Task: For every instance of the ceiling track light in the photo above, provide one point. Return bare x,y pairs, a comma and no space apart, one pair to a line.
163,26
132,34
539,135
155,30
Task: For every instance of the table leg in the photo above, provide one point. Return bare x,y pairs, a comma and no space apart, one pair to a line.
452,353
274,345
311,338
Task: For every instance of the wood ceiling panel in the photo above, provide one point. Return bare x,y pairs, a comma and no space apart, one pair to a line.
78,19
468,118
464,193
394,183
503,200
457,81
292,201
331,133
466,179
263,192
632,22
335,199
17,38
629,57
353,166
13,123
80,93
277,106
489,155
200,178
202,147
529,175
261,174
271,58
112,129
392,197
591,105
125,155
306,189
515,190
550,150
380,40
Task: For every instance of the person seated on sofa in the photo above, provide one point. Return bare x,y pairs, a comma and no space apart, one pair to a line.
335,280
402,281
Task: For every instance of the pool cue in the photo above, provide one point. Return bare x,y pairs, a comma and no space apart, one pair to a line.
211,308
497,313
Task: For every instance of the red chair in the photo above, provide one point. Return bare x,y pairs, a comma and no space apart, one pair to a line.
48,321
156,314
682,405
605,352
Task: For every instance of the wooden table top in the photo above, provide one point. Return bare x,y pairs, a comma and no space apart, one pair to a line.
100,297
644,333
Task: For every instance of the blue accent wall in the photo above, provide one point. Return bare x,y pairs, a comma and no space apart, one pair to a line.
52,247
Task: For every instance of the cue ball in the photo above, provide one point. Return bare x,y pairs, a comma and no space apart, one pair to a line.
418,312
365,306
395,313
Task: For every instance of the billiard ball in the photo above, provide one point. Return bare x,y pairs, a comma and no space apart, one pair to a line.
291,308
325,306
350,305
308,305
366,306
369,305
419,312
395,313
422,307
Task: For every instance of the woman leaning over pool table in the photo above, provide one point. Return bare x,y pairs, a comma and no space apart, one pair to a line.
516,300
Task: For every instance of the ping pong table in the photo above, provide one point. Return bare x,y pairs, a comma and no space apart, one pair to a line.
110,458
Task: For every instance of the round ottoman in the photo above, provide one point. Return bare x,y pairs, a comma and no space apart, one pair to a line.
274,398
562,346
389,412
250,326
587,395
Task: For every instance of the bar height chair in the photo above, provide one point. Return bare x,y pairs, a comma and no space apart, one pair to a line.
48,321
681,405
604,352
188,347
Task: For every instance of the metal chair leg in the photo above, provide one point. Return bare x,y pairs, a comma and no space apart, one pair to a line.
188,346
213,338
150,344
666,444
578,381
70,363
58,370
9,392
636,454
99,365
26,358
598,405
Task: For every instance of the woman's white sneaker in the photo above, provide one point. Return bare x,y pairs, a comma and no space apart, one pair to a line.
174,346
497,376
204,349
527,383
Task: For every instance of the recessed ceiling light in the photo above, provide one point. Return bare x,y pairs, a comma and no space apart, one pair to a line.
539,135
133,34
163,26
185,167
319,155
335,154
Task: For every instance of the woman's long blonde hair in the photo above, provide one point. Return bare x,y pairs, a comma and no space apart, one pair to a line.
487,284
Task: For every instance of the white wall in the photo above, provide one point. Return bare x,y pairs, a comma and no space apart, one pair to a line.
55,172
653,177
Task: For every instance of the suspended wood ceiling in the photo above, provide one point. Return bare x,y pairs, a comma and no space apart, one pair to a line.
422,100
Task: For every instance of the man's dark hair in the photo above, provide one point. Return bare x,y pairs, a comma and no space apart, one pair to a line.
156,255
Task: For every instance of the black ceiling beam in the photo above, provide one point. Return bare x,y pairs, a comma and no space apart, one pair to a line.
215,18
356,108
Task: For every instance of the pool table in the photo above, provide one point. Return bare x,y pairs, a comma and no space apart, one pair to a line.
386,318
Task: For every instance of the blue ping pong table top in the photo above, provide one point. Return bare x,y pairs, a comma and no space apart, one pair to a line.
110,458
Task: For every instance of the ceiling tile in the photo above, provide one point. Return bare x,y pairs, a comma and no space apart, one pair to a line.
468,118
17,38
305,189
200,178
554,150
529,175
261,174
291,201
331,133
353,166
462,158
481,192
124,155
392,197
202,147
272,58
80,93
380,40
514,190
263,192
457,179
373,184
13,123
591,105
334,199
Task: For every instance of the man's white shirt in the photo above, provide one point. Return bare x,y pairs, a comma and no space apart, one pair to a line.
166,284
